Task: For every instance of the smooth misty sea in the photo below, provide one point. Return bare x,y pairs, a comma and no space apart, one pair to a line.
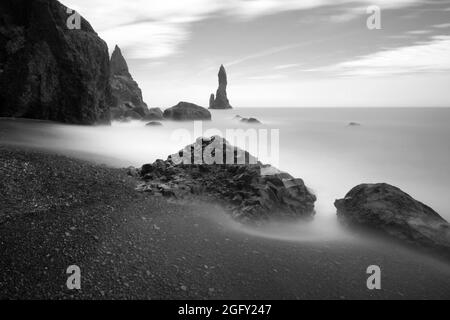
406,147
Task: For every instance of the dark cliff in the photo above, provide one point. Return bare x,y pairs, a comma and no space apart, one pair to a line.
49,70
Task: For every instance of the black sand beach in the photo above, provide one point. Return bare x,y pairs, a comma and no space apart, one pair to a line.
57,211
224,150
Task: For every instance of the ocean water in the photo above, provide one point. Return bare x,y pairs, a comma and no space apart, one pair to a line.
406,147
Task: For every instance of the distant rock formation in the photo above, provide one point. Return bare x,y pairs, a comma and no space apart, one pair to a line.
126,94
211,101
354,124
50,71
154,124
250,120
132,115
187,111
154,114
247,120
221,100
248,189
118,65
389,210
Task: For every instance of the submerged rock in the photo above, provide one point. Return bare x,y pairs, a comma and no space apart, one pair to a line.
49,71
126,94
213,169
154,124
132,115
247,120
221,100
389,210
250,120
354,124
154,114
187,111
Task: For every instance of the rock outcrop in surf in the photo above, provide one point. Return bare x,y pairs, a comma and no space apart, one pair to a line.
126,101
154,114
154,124
53,65
185,111
247,120
211,101
221,99
214,170
389,210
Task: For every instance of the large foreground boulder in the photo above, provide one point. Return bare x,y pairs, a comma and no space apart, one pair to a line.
389,210
51,66
126,94
184,111
213,169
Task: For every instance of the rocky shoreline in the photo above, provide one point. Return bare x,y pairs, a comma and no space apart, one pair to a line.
253,192
133,245
249,190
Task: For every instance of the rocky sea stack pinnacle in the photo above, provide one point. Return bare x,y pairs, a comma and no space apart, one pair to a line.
221,99
126,99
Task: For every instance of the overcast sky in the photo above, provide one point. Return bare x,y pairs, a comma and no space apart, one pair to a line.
281,53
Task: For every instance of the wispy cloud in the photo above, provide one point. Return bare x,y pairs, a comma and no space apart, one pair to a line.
287,66
156,28
166,37
442,26
144,29
419,32
268,77
262,54
252,8
431,56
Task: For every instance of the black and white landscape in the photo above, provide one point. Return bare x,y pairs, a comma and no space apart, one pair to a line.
224,149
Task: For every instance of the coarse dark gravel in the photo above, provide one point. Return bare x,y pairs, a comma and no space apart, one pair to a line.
56,211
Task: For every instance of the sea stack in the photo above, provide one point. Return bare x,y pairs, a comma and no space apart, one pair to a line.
221,100
50,69
126,94
211,101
